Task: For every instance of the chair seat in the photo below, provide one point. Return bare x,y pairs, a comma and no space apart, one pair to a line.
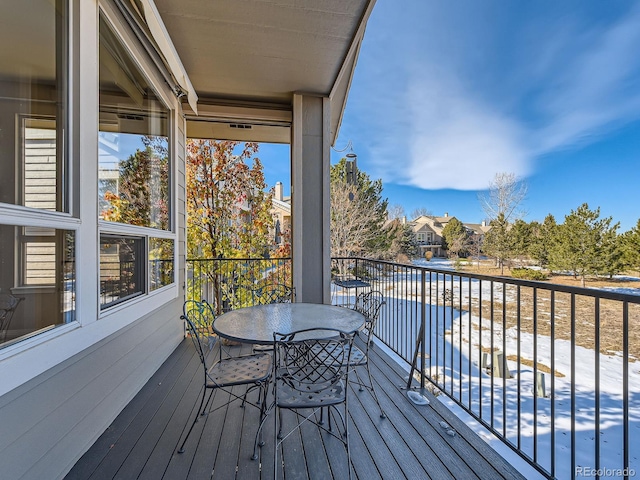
239,370
358,357
292,394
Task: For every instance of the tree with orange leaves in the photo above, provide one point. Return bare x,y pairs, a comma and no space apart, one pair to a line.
228,209
228,215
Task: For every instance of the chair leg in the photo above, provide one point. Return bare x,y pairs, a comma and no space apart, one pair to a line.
263,419
204,409
275,441
195,420
373,391
359,380
346,434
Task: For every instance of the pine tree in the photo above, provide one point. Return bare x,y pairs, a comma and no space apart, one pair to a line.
520,239
497,242
409,242
455,238
630,245
542,240
584,241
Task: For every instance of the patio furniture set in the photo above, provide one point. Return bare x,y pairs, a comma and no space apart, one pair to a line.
302,362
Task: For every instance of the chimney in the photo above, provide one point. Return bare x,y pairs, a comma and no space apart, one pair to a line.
404,220
278,192
446,214
484,223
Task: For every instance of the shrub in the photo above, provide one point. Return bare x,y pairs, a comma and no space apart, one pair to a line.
528,274
428,255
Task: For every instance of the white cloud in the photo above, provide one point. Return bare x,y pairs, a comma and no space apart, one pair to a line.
450,105
455,141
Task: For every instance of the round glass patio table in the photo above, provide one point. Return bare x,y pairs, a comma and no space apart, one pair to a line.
257,324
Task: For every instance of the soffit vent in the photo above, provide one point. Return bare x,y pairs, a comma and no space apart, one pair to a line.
241,126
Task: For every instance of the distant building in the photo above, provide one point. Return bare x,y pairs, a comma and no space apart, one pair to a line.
281,213
428,230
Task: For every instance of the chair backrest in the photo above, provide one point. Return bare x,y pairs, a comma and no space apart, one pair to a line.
369,304
278,293
199,317
313,365
195,337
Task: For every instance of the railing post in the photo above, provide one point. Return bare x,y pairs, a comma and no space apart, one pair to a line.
423,329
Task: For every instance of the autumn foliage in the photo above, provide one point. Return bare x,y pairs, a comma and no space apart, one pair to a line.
228,209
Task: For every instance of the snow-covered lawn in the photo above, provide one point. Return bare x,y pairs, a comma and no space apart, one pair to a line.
455,345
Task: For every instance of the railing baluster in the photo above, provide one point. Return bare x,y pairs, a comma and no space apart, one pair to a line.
597,380
535,373
553,383
625,386
573,385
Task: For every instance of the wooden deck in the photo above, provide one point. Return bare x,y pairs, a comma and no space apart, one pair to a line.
410,443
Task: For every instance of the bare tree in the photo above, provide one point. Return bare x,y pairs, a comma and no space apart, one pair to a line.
351,220
421,211
395,211
505,195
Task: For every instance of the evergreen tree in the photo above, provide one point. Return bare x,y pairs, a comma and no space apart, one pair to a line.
520,239
454,237
497,242
630,245
611,261
542,240
582,241
409,242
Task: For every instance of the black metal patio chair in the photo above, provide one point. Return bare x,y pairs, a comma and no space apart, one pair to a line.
369,304
304,381
253,370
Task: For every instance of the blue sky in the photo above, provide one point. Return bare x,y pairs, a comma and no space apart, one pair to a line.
447,94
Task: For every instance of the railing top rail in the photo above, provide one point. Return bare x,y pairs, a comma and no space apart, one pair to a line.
212,259
584,291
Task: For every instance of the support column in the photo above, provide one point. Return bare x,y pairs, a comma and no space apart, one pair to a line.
310,219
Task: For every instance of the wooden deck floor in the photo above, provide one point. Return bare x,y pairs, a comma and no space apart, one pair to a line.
410,443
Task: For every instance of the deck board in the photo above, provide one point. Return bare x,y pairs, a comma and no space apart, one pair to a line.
410,443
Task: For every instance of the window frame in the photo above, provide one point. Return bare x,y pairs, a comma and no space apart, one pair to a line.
115,229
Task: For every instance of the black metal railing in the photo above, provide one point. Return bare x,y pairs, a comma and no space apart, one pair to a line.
549,369
230,283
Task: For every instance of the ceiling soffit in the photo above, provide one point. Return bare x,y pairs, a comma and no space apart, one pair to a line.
264,51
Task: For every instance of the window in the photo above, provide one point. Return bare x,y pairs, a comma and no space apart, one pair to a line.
33,99
44,294
134,172
121,269
37,229
161,263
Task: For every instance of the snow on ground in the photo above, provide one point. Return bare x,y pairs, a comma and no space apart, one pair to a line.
454,348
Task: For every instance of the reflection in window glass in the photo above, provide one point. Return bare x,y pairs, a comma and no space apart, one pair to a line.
133,183
160,262
37,280
33,100
121,269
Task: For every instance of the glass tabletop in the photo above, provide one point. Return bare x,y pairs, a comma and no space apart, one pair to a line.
257,324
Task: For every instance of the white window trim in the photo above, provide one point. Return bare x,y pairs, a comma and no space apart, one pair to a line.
24,360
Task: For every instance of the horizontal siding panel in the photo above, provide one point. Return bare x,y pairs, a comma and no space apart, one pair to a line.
73,406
